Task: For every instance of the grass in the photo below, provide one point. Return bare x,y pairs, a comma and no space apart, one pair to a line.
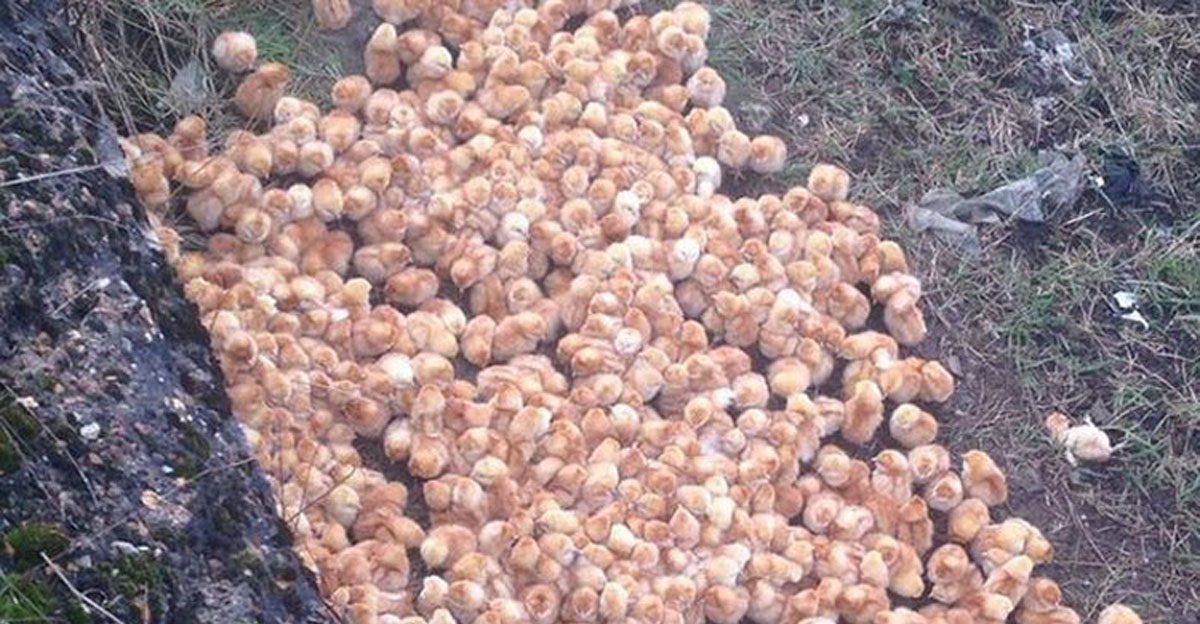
157,52
27,543
911,97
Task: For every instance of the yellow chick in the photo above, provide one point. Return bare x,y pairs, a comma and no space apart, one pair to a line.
911,426
768,154
829,182
968,519
332,14
1087,441
258,93
235,52
983,479
1118,614
706,88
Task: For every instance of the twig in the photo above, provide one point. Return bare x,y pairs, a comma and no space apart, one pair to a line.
51,174
78,594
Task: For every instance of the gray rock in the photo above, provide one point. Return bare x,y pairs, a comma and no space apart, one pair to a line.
96,331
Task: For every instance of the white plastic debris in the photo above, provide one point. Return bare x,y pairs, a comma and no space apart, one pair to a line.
1125,299
1056,184
1127,304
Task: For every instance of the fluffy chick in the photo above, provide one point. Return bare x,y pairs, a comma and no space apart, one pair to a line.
235,51
983,479
332,14
768,154
829,182
258,93
1087,441
1118,614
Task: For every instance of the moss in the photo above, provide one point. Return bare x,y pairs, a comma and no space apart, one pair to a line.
140,579
75,613
27,543
196,452
135,573
47,382
17,419
10,459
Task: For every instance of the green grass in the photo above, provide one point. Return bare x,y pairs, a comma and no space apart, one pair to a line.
23,600
28,542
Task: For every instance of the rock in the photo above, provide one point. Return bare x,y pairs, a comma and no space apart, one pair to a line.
96,331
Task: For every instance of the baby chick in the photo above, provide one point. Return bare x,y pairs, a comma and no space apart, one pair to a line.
235,52
983,479
767,154
351,93
258,93
1087,441
380,57
1118,614
397,12
829,182
332,14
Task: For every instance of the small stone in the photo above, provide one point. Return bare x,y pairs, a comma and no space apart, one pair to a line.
151,499
90,431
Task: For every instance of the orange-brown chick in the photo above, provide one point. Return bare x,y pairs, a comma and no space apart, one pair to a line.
397,12
189,137
380,57
258,92
864,413
332,14
983,479
351,93
904,318
912,426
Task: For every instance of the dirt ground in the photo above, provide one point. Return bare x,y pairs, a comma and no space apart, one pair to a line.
910,96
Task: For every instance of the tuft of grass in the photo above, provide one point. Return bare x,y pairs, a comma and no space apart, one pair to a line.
23,600
27,543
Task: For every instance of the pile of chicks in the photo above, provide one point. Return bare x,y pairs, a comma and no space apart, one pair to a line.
503,260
